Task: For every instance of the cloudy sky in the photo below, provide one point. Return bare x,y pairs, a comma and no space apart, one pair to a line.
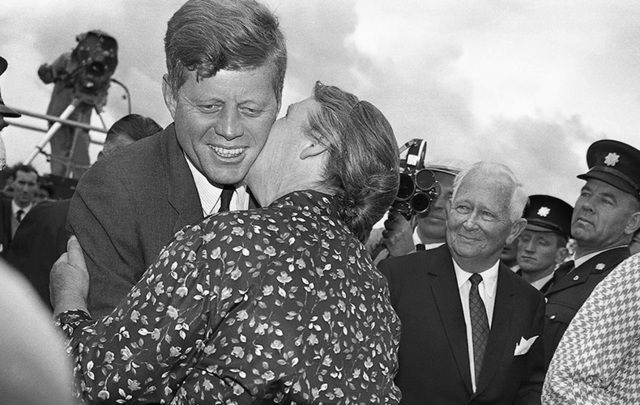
527,83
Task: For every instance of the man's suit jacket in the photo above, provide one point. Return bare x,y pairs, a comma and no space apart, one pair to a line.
6,215
433,356
126,207
566,296
38,242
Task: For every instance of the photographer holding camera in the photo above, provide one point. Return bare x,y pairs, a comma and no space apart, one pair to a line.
80,77
415,222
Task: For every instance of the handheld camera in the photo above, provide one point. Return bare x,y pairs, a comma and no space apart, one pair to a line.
418,186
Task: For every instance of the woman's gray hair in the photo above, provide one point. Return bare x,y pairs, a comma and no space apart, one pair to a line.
362,163
206,36
519,197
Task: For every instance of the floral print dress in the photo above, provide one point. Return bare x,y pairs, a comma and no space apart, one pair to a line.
280,304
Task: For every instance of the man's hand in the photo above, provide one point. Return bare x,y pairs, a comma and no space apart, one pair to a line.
398,235
69,280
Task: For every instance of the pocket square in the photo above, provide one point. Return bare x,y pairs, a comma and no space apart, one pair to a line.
524,345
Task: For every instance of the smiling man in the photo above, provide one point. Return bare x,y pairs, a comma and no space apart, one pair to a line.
469,325
225,70
605,217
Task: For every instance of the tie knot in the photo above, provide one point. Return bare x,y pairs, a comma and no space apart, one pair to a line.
475,279
19,215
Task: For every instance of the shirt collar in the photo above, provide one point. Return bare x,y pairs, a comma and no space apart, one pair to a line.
210,194
15,208
583,259
489,277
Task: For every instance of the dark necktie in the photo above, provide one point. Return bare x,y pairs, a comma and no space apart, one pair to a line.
225,198
479,324
420,246
562,270
19,215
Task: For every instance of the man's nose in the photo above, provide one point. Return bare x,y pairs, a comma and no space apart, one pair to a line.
229,124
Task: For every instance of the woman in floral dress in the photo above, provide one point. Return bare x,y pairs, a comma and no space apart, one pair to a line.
280,304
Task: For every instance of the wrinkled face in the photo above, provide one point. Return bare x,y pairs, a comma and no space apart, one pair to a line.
479,225
433,225
600,215
281,149
25,186
223,121
537,251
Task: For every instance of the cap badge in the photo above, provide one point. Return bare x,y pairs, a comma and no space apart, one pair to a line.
543,211
611,159
600,266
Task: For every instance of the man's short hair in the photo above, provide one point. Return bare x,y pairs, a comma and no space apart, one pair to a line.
134,126
19,167
518,196
206,36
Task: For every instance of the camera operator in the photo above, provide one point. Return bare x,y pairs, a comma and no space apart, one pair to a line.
422,231
81,75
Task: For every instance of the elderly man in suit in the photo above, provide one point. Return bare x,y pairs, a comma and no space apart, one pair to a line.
470,326
226,63
605,217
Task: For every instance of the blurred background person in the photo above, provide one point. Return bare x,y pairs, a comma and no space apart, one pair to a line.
542,244
23,184
509,256
81,76
41,237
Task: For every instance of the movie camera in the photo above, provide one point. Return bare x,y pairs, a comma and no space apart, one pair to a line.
418,186
88,72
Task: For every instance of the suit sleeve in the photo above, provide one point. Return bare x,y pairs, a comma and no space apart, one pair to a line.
102,215
531,388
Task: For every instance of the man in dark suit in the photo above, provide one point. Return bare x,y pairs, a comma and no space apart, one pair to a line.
41,237
23,183
223,98
470,326
605,217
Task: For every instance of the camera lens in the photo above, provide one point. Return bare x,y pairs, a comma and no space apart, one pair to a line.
420,203
425,179
406,189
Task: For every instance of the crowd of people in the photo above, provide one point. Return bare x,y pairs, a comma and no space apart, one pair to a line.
231,257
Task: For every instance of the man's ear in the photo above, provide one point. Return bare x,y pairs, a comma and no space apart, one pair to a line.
633,223
311,148
516,229
167,93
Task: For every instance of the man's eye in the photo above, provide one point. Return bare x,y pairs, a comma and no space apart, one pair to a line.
488,216
209,107
463,209
251,112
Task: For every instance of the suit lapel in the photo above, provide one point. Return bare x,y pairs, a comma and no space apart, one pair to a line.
181,188
444,288
499,335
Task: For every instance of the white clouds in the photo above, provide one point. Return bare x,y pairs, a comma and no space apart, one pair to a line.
530,84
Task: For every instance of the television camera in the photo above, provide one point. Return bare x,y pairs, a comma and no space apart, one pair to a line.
418,186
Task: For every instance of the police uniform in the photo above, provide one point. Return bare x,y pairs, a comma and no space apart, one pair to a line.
617,164
545,213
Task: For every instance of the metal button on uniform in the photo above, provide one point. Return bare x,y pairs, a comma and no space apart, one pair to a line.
546,300
575,278
552,317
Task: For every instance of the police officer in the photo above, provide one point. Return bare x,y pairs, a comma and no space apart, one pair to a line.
605,217
543,243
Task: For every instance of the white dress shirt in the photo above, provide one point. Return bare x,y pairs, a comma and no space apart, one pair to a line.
487,289
210,194
538,284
